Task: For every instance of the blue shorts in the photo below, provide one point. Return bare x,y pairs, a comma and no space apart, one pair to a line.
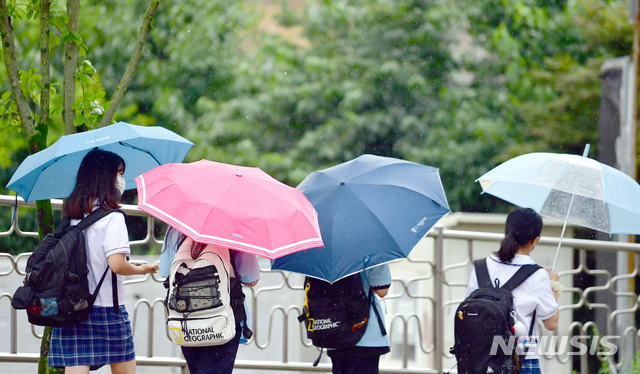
103,338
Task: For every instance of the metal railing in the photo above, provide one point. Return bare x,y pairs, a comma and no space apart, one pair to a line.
420,338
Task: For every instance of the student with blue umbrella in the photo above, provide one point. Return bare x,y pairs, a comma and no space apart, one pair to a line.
364,358
371,210
105,337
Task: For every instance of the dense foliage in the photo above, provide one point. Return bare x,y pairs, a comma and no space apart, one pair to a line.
297,86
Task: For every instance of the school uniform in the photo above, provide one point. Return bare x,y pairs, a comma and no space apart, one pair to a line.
534,294
104,337
364,358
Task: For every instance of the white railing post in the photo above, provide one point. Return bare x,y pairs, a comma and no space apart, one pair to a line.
438,301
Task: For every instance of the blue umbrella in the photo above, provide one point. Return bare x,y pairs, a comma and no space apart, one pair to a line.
51,173
371,210
571,188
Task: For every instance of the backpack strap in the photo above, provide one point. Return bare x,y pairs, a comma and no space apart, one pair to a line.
375,309
114,292
238,296
114,288
482,273
484,280
233,264
94,216
520,276
533,322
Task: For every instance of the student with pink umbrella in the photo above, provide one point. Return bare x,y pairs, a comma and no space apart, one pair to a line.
217,207
214,359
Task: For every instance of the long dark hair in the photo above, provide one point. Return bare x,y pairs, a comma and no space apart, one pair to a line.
523,225
96,180
196,249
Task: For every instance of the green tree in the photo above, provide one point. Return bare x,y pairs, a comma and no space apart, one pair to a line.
31,89
548,56
362,77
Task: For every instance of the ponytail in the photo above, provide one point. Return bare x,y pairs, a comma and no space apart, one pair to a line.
508,248
522,226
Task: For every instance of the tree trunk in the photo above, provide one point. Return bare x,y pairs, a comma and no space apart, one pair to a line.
37,133
9,51
43,208
45,80
133,63
70,67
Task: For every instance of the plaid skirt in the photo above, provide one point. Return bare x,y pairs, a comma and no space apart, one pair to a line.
103,338
530,367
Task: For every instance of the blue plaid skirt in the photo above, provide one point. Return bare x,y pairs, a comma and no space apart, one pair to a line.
103,338
530,367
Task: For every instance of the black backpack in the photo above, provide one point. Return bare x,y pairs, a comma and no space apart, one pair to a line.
336,315
485,314
56,286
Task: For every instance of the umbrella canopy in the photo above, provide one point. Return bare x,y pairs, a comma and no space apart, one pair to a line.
51,173
570,188
372,210
233,206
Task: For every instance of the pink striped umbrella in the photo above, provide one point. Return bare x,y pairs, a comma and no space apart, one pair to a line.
233,206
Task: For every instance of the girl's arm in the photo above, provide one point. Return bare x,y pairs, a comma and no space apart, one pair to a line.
382,292
247,267
119,265
552,322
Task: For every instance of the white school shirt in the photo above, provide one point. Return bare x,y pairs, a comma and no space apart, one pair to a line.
533,294
104,238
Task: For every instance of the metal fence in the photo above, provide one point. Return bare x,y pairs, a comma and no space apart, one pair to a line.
422,302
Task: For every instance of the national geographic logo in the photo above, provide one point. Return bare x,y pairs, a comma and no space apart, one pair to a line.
322,324
196,335
177,335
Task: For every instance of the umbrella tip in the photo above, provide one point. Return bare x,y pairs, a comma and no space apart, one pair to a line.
238,174
586,151
342,183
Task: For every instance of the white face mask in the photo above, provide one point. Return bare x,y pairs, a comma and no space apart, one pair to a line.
120,184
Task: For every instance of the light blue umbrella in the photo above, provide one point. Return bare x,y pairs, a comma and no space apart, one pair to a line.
51,173
371,210
570,188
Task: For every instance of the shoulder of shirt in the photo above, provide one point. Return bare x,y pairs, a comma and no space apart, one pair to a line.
518,260
112,218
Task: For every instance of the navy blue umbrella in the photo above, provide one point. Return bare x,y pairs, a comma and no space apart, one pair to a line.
371,210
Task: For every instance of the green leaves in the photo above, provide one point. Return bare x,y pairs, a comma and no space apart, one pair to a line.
89,98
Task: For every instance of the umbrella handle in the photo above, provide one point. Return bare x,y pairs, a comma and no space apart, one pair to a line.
584,154
562,235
